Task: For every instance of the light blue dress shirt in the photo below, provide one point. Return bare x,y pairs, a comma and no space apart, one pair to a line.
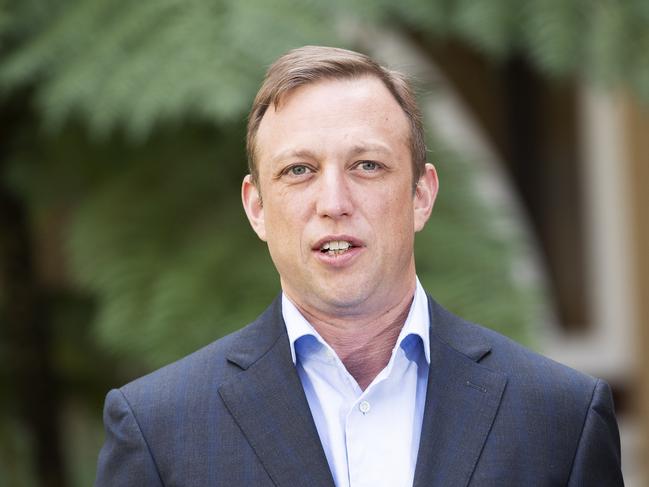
371,437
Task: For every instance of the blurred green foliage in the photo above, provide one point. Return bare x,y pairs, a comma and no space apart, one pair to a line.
136,65
134,141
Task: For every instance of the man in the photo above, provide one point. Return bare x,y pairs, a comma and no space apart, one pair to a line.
353,376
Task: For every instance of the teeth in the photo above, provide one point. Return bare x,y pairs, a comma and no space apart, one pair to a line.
336,245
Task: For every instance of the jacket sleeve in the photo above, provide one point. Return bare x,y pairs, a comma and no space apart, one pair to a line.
597,459
125,458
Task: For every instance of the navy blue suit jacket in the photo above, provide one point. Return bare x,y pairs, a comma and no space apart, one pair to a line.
235,414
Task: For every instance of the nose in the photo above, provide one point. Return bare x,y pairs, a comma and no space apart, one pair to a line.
334,198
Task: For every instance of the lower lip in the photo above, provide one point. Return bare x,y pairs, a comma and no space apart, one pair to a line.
340,260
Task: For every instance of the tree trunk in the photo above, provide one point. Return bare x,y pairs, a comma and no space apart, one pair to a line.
25,314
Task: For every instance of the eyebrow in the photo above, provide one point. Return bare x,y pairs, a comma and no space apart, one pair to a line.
290,153
370,147
355,150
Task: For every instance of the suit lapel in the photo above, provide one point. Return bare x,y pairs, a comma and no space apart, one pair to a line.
268,403
462,399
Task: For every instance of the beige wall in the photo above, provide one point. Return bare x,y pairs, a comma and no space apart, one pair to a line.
636,118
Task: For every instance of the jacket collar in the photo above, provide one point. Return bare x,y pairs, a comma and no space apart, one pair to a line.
462,400
256,339
267,401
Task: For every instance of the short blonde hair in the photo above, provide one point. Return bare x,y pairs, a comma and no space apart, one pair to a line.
310,64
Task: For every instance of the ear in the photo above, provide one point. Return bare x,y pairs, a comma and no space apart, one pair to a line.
425,194
252,205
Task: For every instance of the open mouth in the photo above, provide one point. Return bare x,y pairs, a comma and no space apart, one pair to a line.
336,247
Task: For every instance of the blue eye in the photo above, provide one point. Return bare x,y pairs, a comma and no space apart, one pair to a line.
298,170
369,165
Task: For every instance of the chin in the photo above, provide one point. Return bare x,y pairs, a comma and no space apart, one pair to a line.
344,297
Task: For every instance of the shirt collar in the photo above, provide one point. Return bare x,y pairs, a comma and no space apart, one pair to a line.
417,323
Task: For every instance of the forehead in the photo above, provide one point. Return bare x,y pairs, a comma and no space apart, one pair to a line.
333,114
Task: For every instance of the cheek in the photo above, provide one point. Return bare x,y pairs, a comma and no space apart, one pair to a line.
397,222
397,207
285,222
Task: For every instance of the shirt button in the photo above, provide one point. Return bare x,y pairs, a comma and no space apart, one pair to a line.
364,407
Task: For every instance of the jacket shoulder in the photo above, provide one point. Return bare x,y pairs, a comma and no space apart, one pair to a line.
198,375
525,369
555,425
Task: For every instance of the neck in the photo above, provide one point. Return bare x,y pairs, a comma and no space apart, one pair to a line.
363,343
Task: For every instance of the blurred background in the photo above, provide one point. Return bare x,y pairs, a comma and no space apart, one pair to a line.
123,245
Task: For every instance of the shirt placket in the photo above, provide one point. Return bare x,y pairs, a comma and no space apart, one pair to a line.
361,425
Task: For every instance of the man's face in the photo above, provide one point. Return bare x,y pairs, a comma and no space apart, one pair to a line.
337,207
